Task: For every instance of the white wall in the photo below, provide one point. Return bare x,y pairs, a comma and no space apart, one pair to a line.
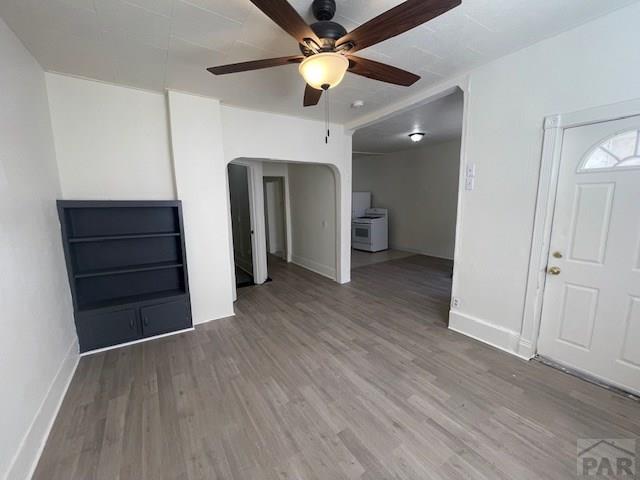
420,189
313,217
38,346
284,138
595,64
111,143
275,169
201,181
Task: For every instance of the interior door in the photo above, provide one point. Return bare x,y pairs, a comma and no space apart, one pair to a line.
591,308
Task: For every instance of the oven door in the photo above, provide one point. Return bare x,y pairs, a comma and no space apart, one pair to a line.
361,234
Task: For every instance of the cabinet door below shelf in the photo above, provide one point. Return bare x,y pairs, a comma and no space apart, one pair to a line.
104,329
165,317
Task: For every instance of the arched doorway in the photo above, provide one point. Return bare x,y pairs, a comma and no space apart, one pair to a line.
312,217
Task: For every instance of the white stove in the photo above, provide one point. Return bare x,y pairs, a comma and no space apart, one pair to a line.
370,232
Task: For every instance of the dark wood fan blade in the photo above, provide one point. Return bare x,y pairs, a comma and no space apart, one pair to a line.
311,96
398,20
254,65
287,18
381,71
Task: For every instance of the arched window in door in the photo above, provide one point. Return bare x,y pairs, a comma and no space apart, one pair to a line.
619,151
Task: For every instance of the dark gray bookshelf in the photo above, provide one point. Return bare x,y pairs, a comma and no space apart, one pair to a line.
127,269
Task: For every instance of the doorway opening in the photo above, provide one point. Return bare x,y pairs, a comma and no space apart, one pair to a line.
241,224
275,217
406,184
283,212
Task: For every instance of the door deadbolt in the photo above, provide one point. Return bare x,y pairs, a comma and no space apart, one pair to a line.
553,270
557,255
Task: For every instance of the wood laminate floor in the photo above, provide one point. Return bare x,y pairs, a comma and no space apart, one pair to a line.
313,380
361,258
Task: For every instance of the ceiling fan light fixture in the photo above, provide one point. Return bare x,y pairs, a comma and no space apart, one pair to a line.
324,70
416,136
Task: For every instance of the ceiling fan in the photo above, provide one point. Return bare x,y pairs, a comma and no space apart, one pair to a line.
328,49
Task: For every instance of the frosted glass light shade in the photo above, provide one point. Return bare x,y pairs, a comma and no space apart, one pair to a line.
324,69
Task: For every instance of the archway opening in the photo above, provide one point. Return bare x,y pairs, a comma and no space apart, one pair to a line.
406,186
293,218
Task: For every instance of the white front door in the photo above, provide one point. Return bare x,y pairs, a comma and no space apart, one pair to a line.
591,307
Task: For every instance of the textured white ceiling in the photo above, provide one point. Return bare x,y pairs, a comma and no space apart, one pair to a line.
159,44
441,120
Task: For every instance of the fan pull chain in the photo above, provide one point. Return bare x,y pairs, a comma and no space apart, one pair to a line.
327,114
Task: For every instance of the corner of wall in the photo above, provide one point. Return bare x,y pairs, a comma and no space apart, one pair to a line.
319,268
200,175
54,139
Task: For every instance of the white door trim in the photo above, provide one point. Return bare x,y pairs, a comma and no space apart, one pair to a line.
256,210
554,128
284,184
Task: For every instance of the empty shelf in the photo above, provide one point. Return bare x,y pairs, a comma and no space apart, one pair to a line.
122,237
128,269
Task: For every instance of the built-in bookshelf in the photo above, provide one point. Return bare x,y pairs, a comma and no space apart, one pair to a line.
127,269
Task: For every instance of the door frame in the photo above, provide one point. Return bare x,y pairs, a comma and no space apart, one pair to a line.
259,256
284,185
554,128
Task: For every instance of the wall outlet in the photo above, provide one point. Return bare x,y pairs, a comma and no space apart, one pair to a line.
469,184
456,302
470,177
471,170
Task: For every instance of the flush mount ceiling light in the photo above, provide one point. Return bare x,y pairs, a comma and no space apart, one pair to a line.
323,71
416,136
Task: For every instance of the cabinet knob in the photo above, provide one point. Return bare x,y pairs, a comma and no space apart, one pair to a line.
146,321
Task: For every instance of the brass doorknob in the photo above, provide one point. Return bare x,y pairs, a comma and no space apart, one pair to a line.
553,270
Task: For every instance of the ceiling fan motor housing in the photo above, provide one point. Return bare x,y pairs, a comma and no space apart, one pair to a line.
328,32
323,9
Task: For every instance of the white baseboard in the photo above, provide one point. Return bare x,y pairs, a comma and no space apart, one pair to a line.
26,459
319,268
133,342
202,322
526,349
418,252
494,335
